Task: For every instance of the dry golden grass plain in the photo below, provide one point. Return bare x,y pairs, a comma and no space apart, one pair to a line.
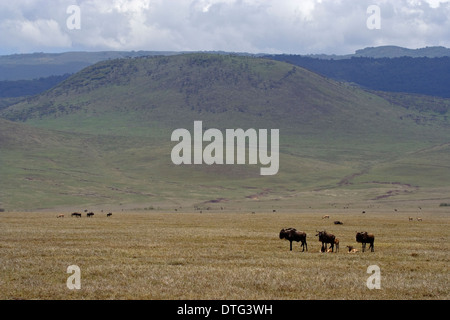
221,255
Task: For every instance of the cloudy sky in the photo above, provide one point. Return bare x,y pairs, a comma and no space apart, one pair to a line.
256,26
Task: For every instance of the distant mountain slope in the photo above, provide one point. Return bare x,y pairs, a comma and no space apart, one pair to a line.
42,65
22,88
388,52
229,90
104,135
428,76
398,52
38,65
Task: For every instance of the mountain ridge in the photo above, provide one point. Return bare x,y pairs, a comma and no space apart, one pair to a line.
37,65
110,125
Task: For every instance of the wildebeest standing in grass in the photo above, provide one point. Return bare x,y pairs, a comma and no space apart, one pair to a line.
90,214
76,214
293,234
364,238
336,243
326,238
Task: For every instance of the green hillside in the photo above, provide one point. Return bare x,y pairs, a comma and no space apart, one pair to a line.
103,137
39,64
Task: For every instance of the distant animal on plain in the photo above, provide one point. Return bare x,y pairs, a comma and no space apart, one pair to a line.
109,214
326,217
351,249
90,214
60,216
76,214
410,219
419,219
364,238
326,238
292,234
338,222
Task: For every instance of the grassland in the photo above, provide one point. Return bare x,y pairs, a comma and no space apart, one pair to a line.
101,140
222,254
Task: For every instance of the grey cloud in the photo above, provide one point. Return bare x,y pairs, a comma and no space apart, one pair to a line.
292,26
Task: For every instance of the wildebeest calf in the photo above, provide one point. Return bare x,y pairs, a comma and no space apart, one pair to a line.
293,234
351,249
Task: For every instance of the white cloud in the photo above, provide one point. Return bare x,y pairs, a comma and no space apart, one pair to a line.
436,3
25,35
293,26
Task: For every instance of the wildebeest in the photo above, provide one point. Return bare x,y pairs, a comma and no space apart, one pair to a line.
325,238
338,222
60,216
364,237
90,214
109,214
351,249
76,214
293,234
336,243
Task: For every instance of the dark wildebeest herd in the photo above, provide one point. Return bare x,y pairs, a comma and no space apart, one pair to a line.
78,215
292,234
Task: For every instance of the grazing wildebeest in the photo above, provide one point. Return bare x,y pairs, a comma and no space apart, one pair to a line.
60,216
293,234
338,222
90,214
325,238
364,237
109,214
76,214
